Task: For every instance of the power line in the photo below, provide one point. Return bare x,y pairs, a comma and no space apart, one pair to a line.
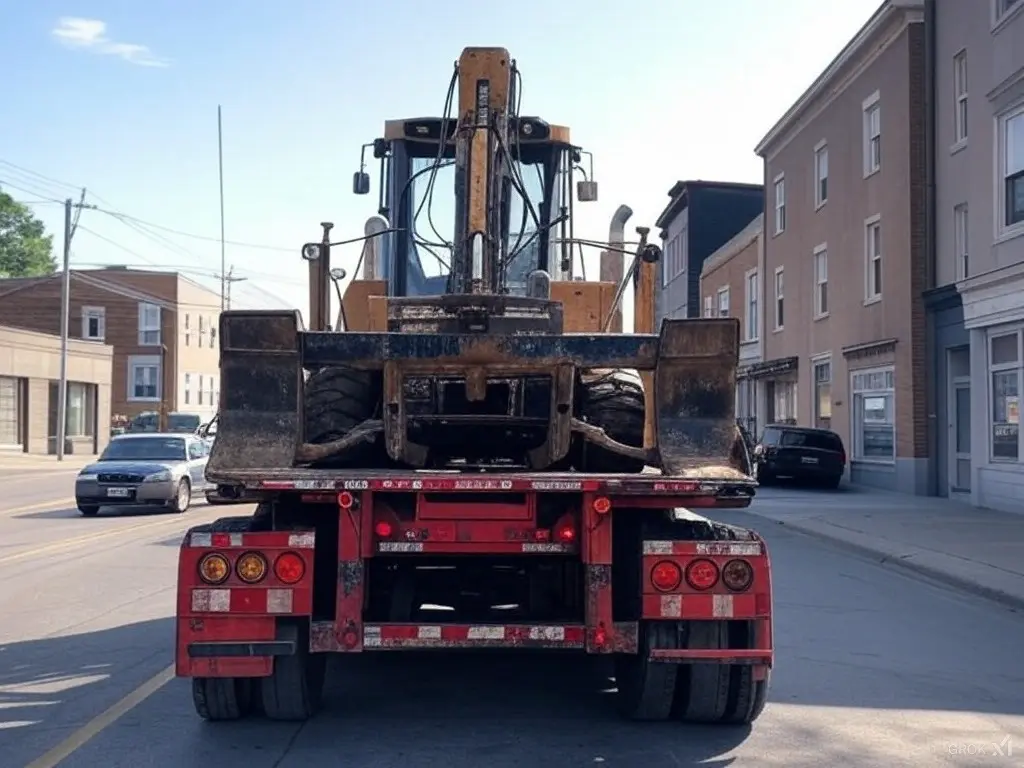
258,246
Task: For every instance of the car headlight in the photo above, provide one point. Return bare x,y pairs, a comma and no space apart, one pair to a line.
88,476
159,477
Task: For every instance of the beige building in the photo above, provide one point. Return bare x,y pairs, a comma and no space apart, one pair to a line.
844,253
730,286
29,386
161,325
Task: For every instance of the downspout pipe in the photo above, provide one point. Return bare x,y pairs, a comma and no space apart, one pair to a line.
931,268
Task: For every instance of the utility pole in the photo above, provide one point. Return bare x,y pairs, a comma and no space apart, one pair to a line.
228,280
220,166
65,317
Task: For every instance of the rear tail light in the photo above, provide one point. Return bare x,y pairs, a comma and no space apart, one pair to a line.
702,574
251,567
214,569
289,568
383,529
666,576
737,575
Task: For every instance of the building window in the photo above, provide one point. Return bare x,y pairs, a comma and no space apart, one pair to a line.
213,335
188,333
78,416
821,281
960,241
960,97
872,134
200,400
874,424
753,320
144,378
780,302
188,388
873,259
780,204
209,390
149,325
820,175
675,263
823,394
1005,372
784,403
1003,8
709,309
1011,139
94,323
723,302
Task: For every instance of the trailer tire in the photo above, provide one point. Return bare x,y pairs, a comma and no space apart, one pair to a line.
337,400
645,689
222,698
294,690
614,401
702,691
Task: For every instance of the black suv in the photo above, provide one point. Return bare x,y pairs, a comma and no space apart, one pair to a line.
801,453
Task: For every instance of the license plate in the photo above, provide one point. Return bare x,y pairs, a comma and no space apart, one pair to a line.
809,459
118,493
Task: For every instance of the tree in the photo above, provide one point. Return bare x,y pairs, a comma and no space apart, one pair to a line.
25,248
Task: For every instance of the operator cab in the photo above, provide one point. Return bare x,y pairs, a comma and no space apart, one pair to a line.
417,194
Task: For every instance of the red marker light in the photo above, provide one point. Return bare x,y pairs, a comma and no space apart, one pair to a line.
566,534
383,529
346,500
289,568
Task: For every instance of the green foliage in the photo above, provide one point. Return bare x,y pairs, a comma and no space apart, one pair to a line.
25,248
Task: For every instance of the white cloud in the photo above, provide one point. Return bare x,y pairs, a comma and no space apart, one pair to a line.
91,35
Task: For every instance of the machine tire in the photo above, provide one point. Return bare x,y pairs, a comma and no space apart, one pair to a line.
614,401
88,510
645,689
222,698
336,400
294,691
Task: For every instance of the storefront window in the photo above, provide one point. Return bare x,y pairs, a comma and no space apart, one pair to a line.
78,420
874,423
823,394
1005,374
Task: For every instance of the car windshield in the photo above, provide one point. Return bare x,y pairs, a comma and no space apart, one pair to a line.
183,422
145,449
823,441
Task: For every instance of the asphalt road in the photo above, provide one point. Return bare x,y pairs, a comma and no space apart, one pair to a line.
874,668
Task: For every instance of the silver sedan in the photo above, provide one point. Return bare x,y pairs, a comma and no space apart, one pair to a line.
144,469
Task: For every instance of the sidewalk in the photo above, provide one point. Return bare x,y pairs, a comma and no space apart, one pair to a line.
14,460
976,550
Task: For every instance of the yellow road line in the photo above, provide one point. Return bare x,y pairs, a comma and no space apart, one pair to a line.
88,538
102,721
54,505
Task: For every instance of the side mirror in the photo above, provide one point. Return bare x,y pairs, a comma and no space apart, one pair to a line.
586,191
337,274
311,251
650,254
360,183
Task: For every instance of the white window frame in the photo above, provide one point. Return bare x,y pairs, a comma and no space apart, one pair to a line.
1005,229
99,314
709,306
723,302
779,294
961,241
857,395
872,135
820,265
820,174
960,113
149,325
1003,368
779,202
872,291
144,361
752,321
1003,11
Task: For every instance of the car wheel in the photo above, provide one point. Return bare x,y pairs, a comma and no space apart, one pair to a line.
182,497
88,510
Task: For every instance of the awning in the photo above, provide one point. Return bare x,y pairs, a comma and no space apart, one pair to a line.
768,368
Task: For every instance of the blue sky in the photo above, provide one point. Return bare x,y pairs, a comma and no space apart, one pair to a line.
124,102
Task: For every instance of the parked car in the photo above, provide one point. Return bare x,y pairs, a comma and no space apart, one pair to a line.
801,453
144,468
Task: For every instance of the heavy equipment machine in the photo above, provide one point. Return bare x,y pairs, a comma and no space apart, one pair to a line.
474,456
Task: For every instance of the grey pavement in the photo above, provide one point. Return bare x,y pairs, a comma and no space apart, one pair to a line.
978,550
876,667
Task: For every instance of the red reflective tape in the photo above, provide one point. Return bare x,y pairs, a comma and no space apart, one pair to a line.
688,605
703,548
449,635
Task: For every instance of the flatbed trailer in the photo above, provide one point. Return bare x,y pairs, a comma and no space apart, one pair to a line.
686,613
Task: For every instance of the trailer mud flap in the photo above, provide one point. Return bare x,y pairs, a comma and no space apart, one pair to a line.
694,394
260,391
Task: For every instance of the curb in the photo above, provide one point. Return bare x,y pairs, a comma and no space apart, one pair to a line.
1014,602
